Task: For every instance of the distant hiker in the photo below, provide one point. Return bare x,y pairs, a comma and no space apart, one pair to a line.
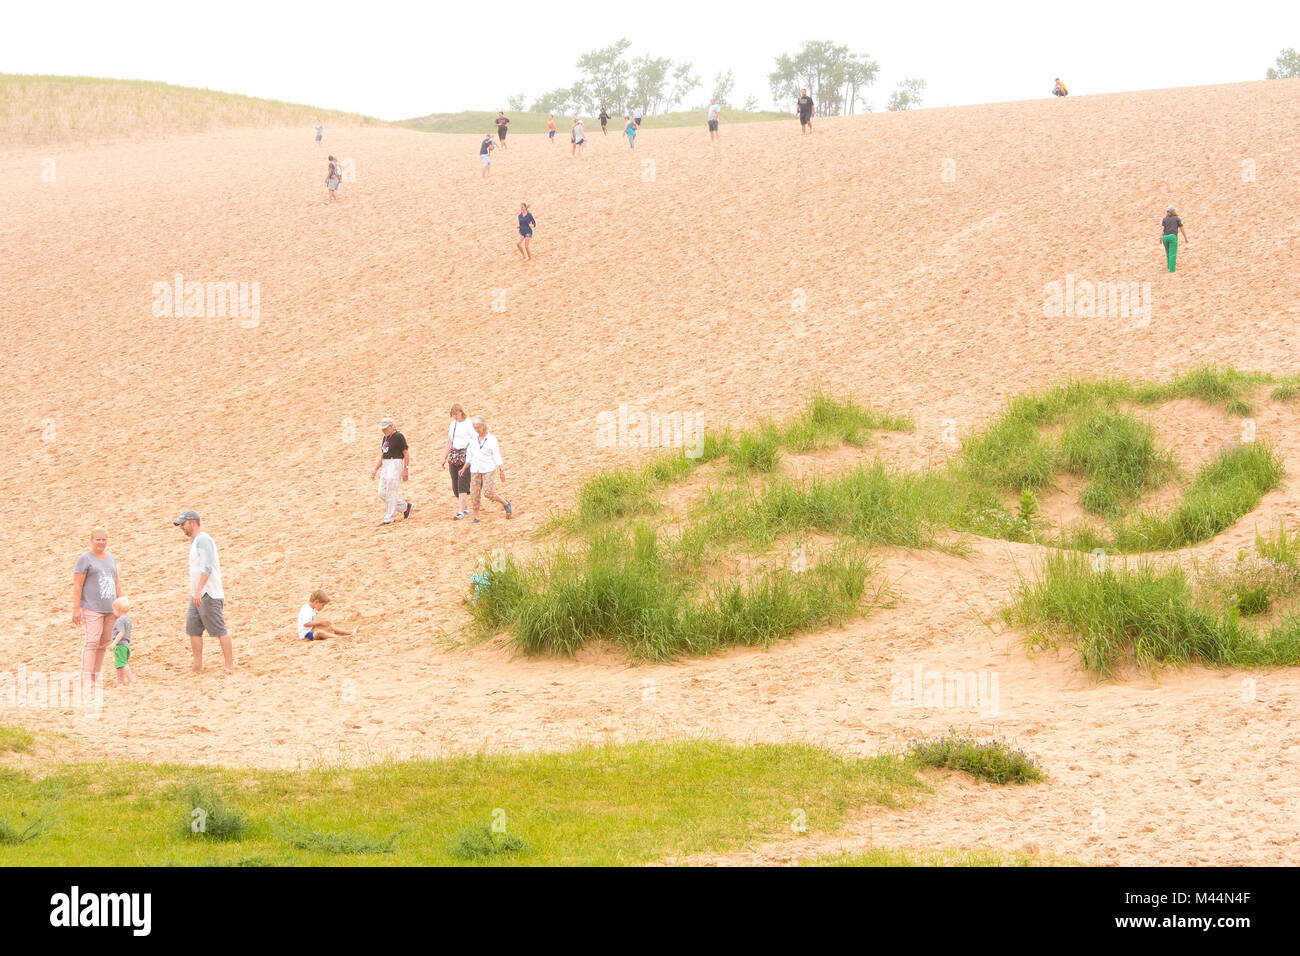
637,114
714,110
631,131
550,128
207,598
1171,226
805,107
333,179
485,153
320,130
483,465
502,123
526,223
313,627
393,469
459,434
1059,89
577,137
604,121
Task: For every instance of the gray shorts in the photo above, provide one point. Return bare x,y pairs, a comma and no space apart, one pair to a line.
207,616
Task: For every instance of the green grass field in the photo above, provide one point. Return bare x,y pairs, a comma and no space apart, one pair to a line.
604,805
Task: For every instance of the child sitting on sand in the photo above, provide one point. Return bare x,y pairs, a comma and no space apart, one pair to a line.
121,646
311,627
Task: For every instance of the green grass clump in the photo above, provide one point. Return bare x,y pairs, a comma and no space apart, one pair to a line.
16,740
1117,454
16,834
481,843
828,422
993,760
1212,384
615,494
217,821
1226,488
308,838
1288,390
758,450
1149,614
604,805
627,588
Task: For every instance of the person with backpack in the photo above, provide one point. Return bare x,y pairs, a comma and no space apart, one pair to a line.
334,177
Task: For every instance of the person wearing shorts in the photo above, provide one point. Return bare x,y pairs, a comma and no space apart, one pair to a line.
502,123
206,611
637,114
550,128
320,131
121,646
485,153
313,627
604,121
333,178
94,589
805,105
714,110
526,223
577,137
483,465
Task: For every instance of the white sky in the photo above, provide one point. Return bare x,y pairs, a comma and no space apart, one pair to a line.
397,60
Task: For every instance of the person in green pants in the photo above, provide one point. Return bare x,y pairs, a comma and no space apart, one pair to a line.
1172,225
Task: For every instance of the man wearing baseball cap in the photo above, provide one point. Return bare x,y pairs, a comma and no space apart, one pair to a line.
205,611
394,468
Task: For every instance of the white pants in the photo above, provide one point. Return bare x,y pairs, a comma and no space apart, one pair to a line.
390,486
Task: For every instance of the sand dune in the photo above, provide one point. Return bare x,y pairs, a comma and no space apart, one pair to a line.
667,278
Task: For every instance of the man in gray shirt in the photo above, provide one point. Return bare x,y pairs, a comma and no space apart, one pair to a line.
207,599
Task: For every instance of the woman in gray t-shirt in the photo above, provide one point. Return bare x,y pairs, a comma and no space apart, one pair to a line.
94,588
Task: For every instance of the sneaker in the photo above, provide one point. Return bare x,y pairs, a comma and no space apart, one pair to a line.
510,509
387,521
407,513
475,521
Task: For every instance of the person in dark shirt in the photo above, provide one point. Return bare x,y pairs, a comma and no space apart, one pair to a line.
485,153
1171,226
502,123
604,121
395,465
526,223
805,104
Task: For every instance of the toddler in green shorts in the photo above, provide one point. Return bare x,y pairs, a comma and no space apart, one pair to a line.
121,646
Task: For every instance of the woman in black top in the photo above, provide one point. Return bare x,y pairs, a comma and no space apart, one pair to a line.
526,223
1172,226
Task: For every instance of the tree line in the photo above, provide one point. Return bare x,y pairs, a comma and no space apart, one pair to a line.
835,77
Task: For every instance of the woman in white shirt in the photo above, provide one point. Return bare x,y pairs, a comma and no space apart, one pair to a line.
459,434
483,464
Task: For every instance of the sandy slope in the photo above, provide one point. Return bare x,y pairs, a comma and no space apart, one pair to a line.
669,288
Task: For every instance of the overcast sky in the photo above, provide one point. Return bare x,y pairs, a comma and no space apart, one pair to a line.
398,60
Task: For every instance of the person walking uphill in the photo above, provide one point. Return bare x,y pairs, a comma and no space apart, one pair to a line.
483,464
94,589
1171,225
394,468
206,611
